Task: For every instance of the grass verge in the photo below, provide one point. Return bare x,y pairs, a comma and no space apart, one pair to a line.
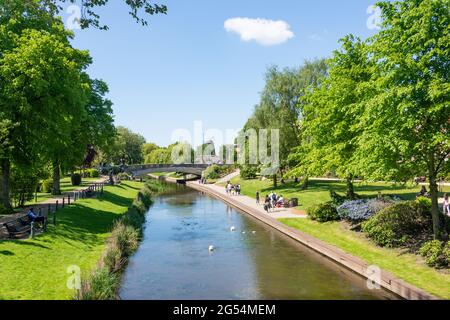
408,267
37,269
319,190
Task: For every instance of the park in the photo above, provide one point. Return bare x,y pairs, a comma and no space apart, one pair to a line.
335,187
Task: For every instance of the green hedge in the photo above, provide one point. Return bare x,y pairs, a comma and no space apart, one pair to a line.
399,223
436,253
323,212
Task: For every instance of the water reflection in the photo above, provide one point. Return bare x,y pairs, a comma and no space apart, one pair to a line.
254,262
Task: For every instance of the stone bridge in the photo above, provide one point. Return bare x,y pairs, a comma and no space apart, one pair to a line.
145,169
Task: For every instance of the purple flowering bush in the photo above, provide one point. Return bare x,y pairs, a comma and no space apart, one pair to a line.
361,210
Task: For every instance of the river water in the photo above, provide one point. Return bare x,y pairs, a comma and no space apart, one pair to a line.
253,262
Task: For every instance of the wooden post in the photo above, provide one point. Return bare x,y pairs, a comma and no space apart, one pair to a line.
68,200
54,218
64,201
57,203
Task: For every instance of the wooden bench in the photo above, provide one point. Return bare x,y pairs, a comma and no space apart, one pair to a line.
19,227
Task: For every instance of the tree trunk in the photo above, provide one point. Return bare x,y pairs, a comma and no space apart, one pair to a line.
275,181
435,214
56,178
305,183
5,171
350,188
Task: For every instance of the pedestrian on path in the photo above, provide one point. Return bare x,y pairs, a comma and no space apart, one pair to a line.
267,204
446,205
257,197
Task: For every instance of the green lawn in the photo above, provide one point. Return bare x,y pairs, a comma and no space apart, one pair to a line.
408,267
318,190
37,269
66,186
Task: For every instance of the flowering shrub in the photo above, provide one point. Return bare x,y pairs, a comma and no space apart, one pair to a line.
361,210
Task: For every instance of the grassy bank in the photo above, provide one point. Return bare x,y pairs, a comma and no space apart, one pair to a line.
408,267
104,282
319,190
37,269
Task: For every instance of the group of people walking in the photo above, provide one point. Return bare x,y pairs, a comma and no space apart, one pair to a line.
271,201
233,190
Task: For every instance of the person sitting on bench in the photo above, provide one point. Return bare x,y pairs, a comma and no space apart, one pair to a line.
33,217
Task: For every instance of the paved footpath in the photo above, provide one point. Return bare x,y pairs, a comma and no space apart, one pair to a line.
279,213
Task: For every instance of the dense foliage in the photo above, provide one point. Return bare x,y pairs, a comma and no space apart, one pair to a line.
400,223
436,253
323,212
50,108
249,172
216,172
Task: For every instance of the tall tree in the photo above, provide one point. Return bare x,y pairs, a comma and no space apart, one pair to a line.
331,116
139,10
282,102
148,148
407,122
127,148
42,87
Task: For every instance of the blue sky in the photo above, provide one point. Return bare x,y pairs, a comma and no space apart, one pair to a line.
187,67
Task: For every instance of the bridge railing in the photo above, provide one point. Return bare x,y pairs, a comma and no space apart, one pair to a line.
165,166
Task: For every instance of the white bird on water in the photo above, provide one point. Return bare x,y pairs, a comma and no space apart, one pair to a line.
233,228
211,248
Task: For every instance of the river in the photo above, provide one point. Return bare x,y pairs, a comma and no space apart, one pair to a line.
253,262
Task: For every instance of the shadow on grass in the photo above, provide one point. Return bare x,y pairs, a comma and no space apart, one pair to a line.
80,223
114,199
25,243
6,253
132,187
340,187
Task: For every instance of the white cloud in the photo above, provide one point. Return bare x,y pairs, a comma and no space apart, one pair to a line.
265,32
